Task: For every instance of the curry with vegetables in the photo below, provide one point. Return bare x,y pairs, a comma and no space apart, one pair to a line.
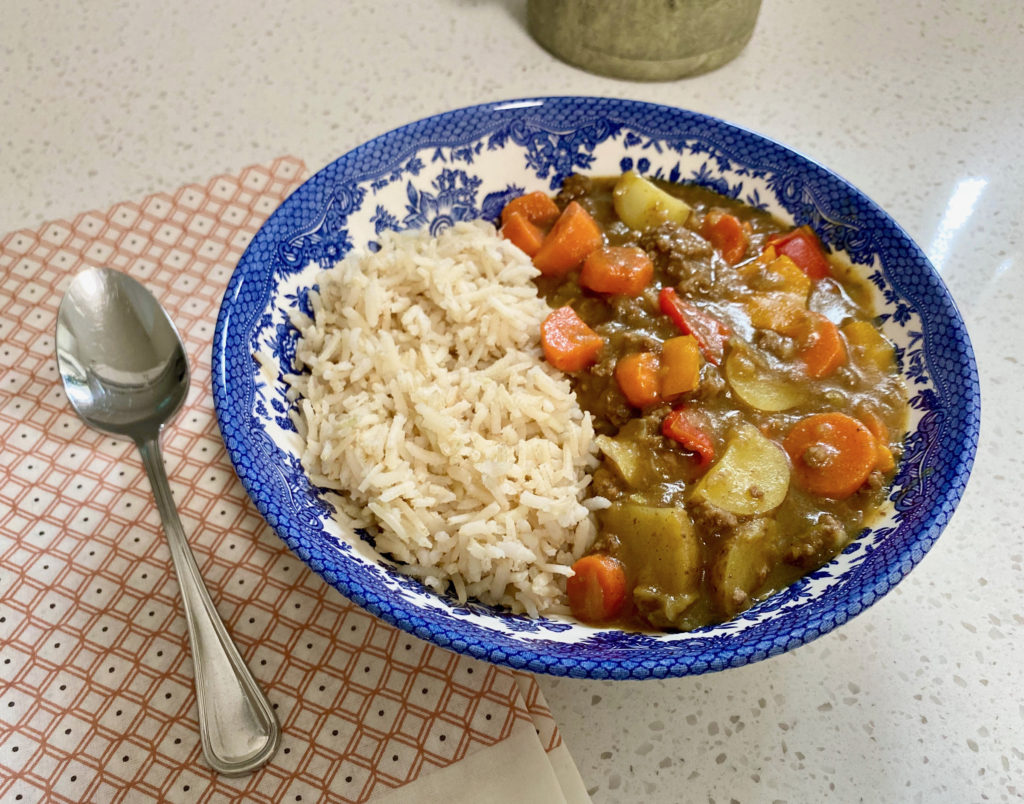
748,410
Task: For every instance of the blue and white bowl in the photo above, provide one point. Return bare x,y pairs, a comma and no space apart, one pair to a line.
465,164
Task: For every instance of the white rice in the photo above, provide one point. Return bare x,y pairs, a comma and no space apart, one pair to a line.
429,404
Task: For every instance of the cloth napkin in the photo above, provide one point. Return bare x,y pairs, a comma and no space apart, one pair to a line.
96,693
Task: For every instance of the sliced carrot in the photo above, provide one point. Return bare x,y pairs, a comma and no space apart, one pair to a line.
824,350
524,234
804,248
637,376
832,454
729,236
568,343
624,270
574,235
538,208
597,588
689,428
680,366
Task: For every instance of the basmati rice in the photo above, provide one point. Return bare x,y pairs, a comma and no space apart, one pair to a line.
425,399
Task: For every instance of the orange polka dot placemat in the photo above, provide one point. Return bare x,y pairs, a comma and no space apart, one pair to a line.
96,695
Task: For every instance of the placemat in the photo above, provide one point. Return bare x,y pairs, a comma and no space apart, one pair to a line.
96,694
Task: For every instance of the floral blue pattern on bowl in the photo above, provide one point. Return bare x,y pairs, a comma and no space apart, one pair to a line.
466,164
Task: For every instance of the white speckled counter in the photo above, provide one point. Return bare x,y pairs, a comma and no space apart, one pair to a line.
921,105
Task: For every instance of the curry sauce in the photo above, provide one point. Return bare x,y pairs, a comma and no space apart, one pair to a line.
749,411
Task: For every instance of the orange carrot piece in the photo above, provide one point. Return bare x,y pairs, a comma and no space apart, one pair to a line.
597,589
637,376
574,235
624,270
568,343
536,207
824,351
524,234
832,454
726,233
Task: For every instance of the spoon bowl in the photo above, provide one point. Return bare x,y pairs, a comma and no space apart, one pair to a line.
125,372
122,363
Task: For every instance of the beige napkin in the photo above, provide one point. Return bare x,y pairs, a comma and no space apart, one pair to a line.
96,698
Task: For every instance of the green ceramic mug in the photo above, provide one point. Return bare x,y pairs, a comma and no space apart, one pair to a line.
647,40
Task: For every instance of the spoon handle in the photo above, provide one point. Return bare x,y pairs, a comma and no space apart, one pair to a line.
238,727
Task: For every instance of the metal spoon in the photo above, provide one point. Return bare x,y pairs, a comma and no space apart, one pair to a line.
125,372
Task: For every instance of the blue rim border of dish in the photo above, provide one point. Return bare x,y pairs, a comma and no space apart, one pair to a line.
946,354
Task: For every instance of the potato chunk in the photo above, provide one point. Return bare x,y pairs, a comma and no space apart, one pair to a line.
755,384
743,564
624,457
661,552
751,478
643,205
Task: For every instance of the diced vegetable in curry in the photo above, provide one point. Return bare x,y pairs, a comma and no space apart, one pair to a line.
748,410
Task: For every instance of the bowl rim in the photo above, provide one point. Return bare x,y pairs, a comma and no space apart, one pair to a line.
559,658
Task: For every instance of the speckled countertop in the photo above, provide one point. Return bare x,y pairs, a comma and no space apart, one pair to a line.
921,105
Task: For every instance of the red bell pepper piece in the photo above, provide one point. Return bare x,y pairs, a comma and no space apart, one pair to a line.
803,247
711,334
686,427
